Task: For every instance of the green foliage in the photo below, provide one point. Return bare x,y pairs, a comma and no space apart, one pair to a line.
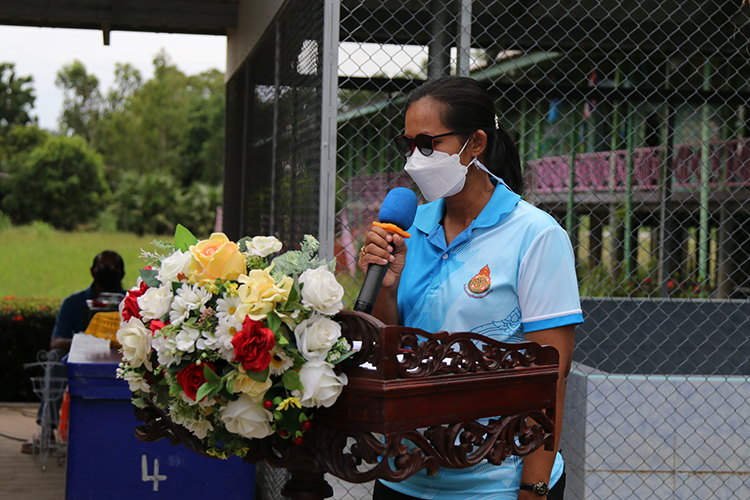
83,101
25,328
61,182
146,203
16,98
154,203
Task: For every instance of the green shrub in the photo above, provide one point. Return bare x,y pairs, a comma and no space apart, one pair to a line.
61,182
25,328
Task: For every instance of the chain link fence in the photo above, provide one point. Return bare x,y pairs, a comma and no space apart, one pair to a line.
632,122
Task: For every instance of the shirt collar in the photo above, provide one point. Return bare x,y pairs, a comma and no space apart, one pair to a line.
501,203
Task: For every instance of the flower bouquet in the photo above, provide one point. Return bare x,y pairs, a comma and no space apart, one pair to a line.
231,344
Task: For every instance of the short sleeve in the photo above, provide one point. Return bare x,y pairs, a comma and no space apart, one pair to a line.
547,283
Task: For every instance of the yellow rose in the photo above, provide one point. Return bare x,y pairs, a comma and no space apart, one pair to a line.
216,257
244,384
260,294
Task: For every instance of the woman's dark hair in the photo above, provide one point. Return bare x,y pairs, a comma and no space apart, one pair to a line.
466,108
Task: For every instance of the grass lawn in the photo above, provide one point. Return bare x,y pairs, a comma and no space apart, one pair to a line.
36,261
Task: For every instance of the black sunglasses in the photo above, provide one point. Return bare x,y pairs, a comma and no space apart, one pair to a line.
424,142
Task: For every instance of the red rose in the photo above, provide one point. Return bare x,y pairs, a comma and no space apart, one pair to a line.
156,325
130,307
17,317
252,346
191,378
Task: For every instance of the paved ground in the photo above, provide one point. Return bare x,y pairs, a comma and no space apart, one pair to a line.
21,476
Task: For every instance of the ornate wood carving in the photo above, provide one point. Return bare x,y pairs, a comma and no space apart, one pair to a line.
416,407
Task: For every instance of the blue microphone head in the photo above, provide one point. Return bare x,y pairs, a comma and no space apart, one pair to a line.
399,207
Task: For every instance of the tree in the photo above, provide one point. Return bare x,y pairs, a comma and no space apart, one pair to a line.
16,98
82,106
203,158
61,182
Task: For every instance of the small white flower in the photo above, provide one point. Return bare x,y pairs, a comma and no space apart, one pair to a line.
186,339
322,386
174,265
247,418
166,350
198,427
225,332
155,303
227,306
315,336
321,291
280,361
136,382
135,339
179,311
263,246
194,297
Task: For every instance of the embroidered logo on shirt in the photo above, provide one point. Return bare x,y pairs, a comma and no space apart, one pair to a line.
479,284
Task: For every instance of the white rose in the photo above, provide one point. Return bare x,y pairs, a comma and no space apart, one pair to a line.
135,339
247,418
316,336
321,291
155,303
174,265
263,246
321,385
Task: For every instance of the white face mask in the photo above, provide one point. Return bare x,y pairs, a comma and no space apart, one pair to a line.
439,175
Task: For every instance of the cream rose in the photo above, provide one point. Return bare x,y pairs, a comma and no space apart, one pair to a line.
321,384
173,266
135,339
260,294
247,418
155,302
215,258
321,291
244,384
315,336
263,246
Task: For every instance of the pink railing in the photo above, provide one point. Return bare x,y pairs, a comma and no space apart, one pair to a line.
730,166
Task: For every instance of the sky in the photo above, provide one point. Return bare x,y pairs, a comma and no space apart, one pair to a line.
41,52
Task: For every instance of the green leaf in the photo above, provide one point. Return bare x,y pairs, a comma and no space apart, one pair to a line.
174,389
149,277
242,243
211,376
274,322
258,376
139,402
282,340
206,390
230,385
183,238
343,357
291,380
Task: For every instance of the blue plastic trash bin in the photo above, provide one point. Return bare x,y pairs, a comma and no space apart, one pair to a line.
105,460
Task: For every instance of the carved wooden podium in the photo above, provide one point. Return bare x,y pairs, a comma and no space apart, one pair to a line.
412,402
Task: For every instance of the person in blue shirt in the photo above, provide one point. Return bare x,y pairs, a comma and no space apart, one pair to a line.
107,270
479,259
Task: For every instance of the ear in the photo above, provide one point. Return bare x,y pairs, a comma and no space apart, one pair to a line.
478,143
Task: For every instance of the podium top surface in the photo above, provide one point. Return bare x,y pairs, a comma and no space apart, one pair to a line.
92,357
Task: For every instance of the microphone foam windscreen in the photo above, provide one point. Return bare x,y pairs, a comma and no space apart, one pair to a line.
399,207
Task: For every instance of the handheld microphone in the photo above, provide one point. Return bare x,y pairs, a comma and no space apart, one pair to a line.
398,209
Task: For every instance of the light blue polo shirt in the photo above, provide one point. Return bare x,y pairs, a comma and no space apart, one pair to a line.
511,271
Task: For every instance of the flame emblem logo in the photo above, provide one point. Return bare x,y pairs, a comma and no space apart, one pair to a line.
481,282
